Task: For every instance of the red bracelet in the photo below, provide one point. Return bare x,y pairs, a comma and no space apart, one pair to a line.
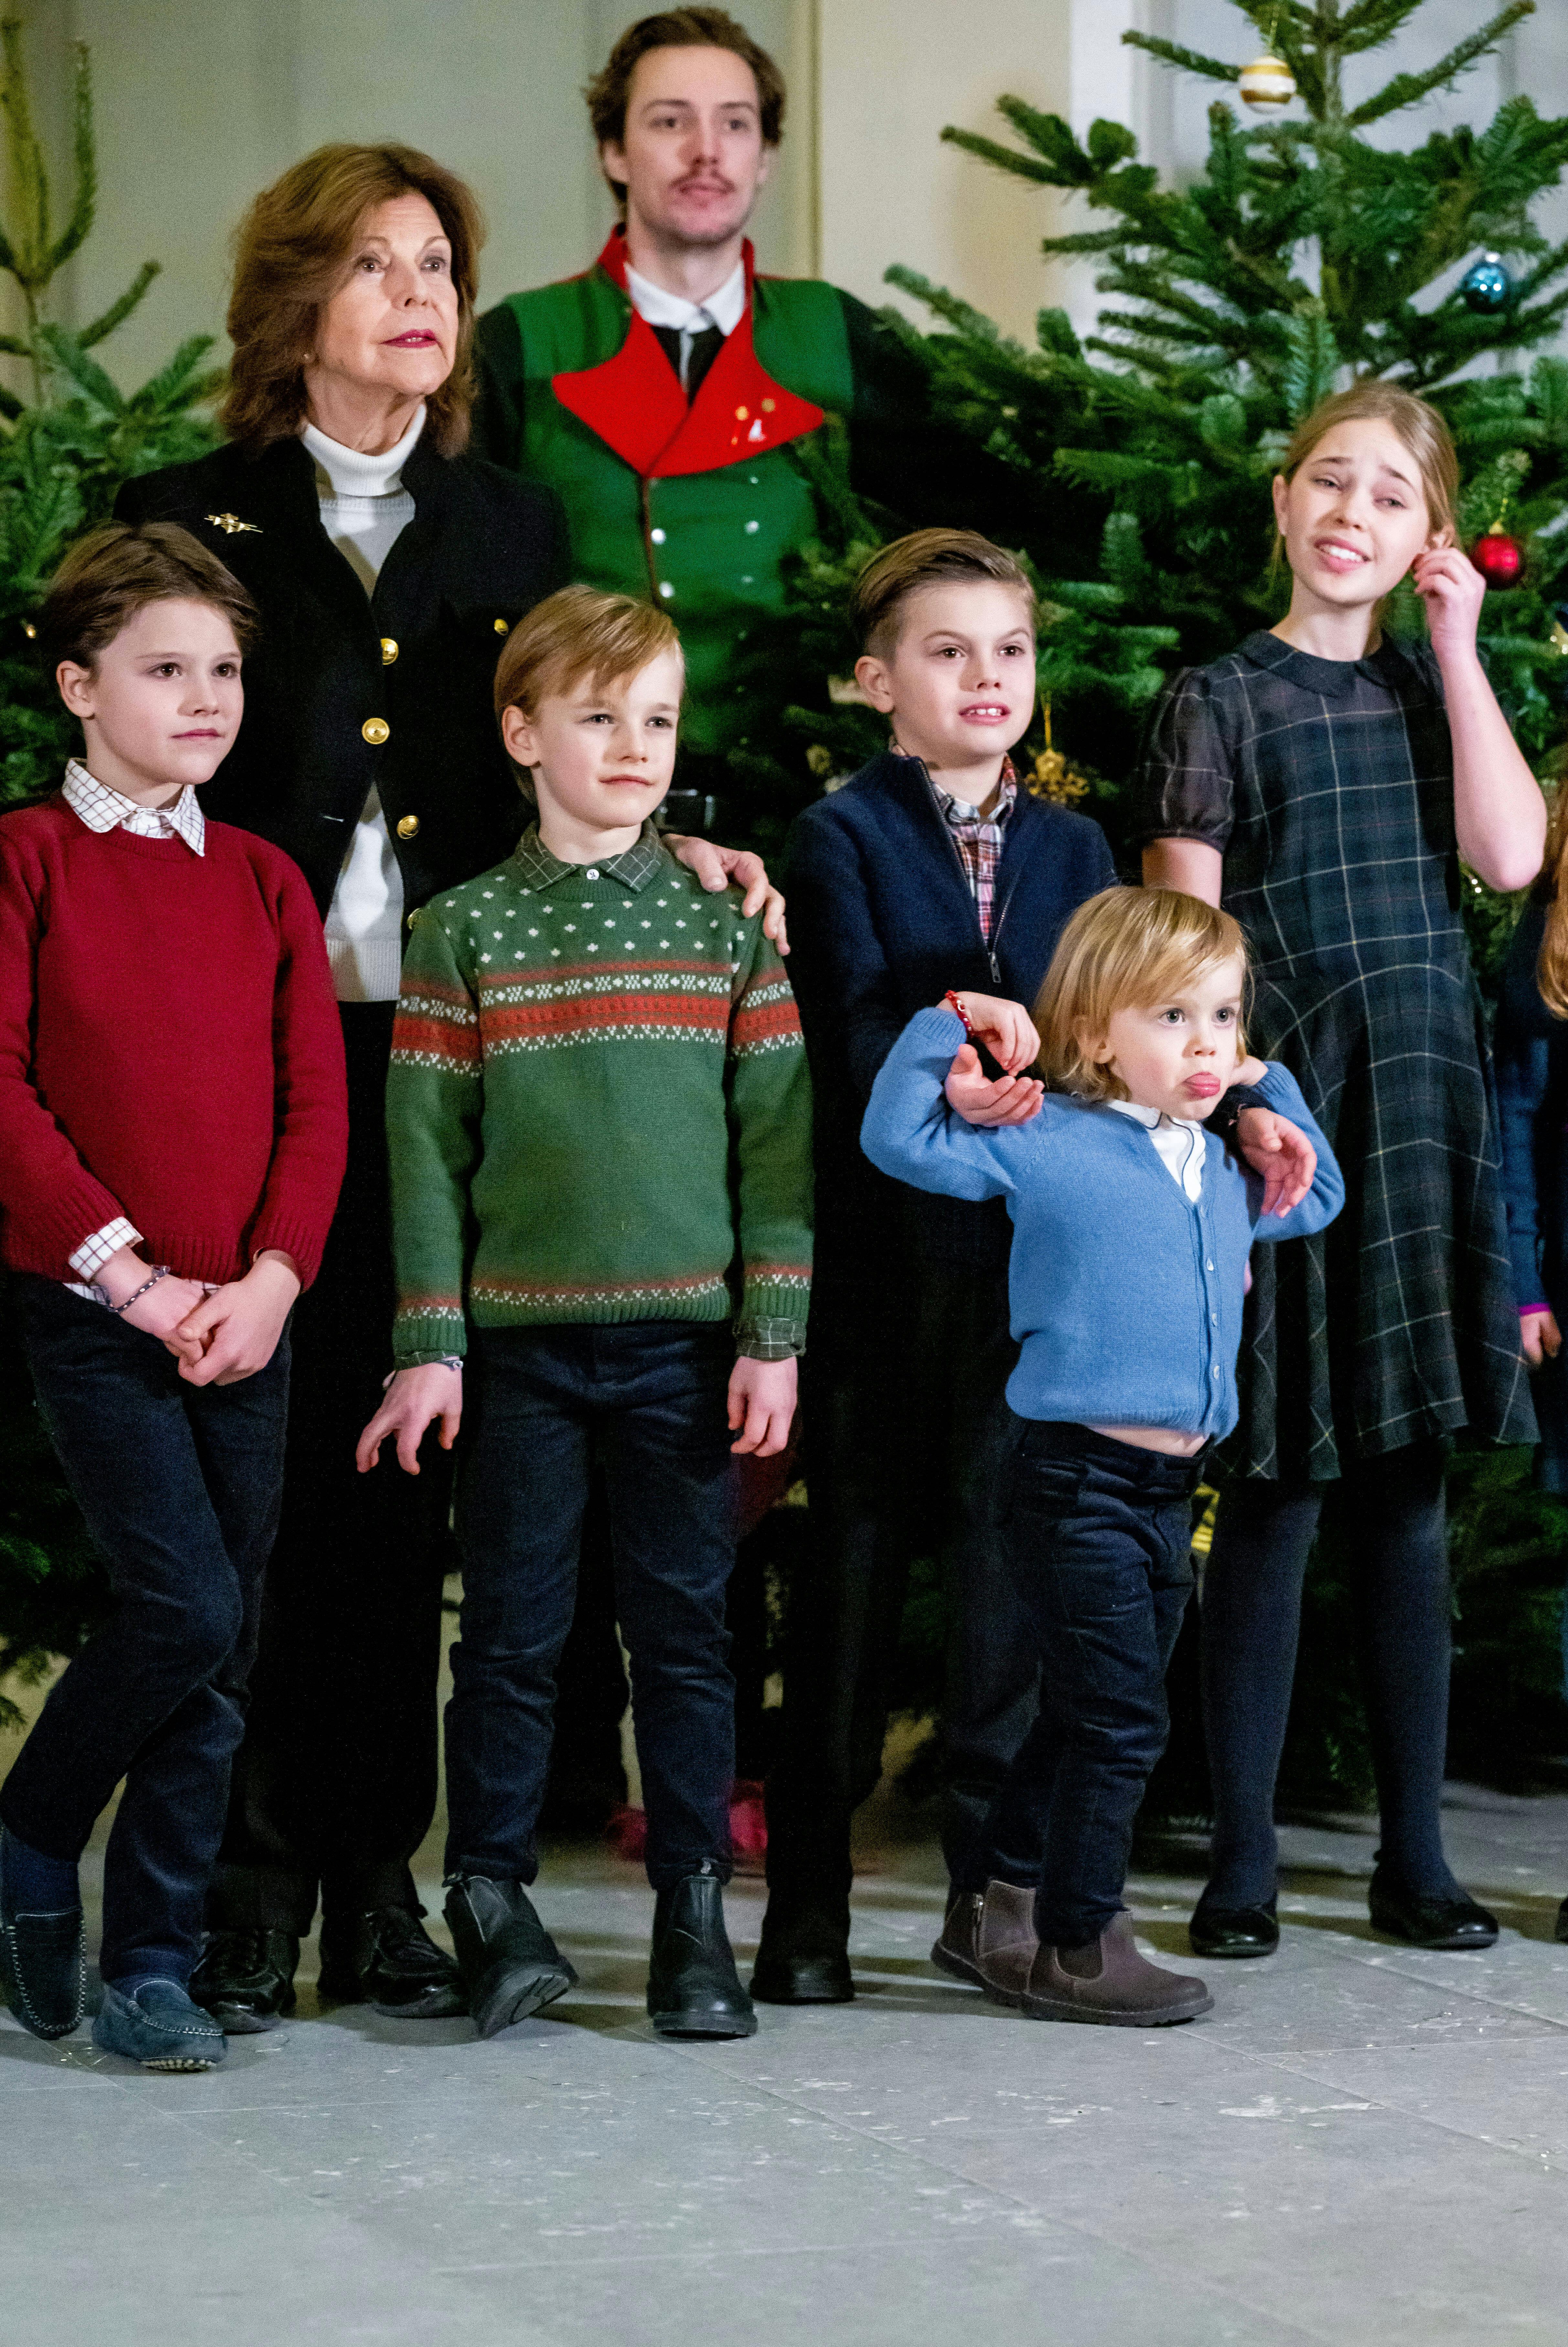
951,999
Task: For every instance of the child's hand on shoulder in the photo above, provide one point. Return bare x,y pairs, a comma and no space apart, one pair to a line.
1006,1029
1453,590
761,1405
414,1399
1011,1099
237,1328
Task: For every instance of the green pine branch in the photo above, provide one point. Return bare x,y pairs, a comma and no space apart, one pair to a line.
1408,89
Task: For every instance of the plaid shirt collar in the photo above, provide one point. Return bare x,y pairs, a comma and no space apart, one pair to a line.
102,809
958,813
633,870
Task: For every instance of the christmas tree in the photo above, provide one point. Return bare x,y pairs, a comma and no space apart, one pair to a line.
1133,466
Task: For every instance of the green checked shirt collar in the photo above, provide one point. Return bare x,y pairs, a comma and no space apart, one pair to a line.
633,870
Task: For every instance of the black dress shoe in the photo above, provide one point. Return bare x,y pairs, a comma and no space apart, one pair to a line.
245,1979
508,1963
693,1988
803,1957
1428,1918
383,1957
1235,1930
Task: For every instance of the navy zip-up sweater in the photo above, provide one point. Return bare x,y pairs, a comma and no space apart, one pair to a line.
1126,1297
882,922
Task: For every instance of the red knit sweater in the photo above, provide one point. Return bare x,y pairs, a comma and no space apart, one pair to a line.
169,1049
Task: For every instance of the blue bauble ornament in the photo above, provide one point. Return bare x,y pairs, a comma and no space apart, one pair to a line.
1487,287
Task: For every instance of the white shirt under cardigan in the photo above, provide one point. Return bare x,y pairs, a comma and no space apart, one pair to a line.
365,510
1178,1141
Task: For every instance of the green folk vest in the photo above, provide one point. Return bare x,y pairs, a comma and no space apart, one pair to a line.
696,509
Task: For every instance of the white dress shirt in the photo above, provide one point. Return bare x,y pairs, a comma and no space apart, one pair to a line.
365,509
1178,1141
724,309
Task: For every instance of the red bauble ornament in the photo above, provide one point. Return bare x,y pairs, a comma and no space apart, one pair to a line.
1498,557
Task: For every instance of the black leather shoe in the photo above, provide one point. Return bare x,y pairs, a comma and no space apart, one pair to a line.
1424,1920
1560,1929
1235,1930
803,1957
508,1963
245,1980
693,1988
383,1957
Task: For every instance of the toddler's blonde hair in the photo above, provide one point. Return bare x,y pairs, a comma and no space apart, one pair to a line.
1126,950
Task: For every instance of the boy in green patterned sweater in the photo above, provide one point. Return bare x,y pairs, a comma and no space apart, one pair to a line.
600,1122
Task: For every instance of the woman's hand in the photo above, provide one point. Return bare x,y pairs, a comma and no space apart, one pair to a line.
1538,1336
1453,590
1011,1099
1280,1152
761,1405
1005,1028
412,1401
716,867
237,1328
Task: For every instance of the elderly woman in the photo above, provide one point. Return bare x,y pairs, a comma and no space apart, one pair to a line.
388,565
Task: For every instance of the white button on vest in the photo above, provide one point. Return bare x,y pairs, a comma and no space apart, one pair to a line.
657,536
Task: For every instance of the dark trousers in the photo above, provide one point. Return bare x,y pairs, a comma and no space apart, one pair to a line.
1099,1534
334,1785
1393,1517
178,1484
905,1435
542,1406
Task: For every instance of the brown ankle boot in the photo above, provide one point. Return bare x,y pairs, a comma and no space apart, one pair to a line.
954,1951
1006,1943
1109,1982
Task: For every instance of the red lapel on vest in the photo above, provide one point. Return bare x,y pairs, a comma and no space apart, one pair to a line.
634,402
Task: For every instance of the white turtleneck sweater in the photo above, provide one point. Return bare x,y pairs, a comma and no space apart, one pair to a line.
364,507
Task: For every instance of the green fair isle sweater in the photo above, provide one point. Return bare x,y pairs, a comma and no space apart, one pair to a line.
598,1109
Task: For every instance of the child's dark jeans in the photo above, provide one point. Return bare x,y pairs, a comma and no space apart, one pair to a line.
541,1403
1098,1533
180,1485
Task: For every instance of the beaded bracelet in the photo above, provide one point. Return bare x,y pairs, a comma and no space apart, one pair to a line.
161,1273
951,999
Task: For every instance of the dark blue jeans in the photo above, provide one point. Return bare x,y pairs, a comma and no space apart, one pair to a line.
1099,1532
647,1397
180,1485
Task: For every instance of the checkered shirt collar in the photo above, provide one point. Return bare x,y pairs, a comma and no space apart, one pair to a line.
102,809
633,870
949,805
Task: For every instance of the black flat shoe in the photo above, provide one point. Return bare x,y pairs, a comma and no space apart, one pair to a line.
803,1957
507,1962
1235,1931
383,1957
693,1988
245,1980
44,1971
1425,1920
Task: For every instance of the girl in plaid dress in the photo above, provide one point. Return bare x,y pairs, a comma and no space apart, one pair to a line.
1322,782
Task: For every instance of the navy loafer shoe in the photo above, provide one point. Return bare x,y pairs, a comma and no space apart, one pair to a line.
159,2027
43,1971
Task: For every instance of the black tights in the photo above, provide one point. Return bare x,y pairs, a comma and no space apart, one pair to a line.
1393,1516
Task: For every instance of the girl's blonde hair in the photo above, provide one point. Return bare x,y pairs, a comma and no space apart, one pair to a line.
1126,950
1426,438
1551,963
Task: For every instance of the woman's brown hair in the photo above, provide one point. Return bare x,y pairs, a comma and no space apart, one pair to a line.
1551,962
291,252
1124,949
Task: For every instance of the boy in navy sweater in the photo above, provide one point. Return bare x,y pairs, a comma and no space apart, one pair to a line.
1131,1230
930,869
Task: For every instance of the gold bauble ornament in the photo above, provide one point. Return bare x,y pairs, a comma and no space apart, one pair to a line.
1267,81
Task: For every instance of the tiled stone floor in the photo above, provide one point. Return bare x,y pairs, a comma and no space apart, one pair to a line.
1362,2145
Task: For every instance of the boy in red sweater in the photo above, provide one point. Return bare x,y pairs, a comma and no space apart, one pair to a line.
173,1135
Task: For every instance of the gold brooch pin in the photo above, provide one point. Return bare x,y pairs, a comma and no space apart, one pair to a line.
228,523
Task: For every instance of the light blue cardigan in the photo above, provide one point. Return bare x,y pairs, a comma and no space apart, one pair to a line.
1126,1298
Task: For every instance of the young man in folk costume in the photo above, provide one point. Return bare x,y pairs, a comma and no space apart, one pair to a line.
668,393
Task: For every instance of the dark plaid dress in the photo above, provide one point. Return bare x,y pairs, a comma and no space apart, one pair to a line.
1327,785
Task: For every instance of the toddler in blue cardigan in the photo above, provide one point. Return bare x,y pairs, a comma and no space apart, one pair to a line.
1130,1233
